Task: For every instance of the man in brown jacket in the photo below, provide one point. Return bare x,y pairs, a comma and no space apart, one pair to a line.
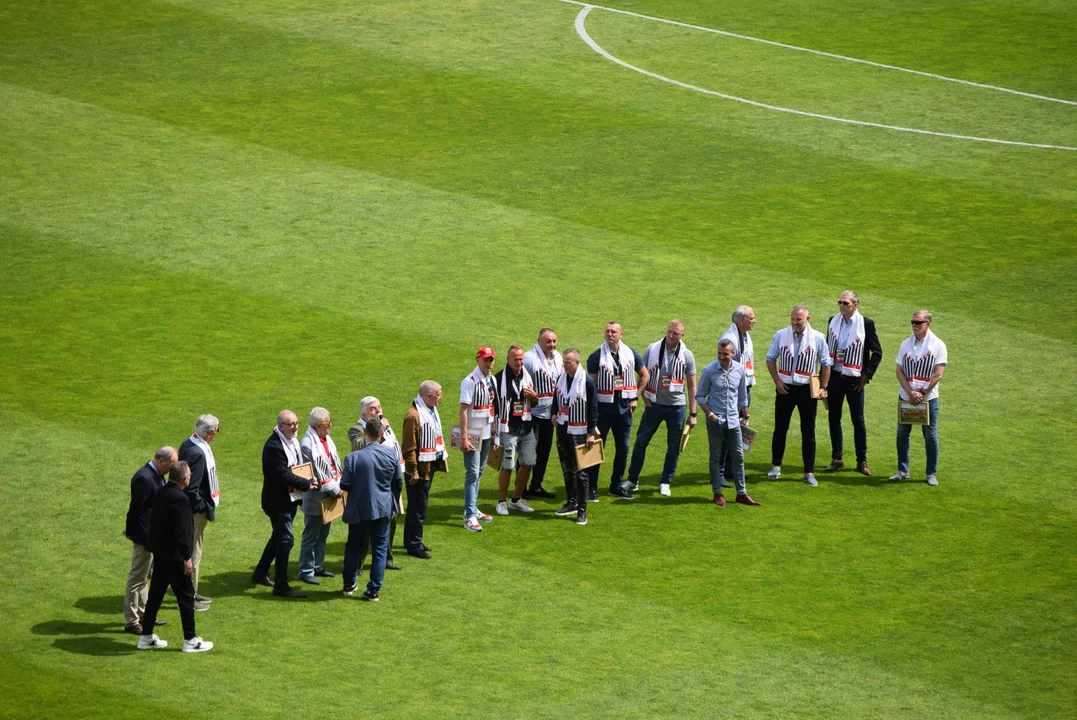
423,446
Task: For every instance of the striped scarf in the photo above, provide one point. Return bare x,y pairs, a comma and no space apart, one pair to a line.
511,398
852,354
616,376
481,410
918,359
544,373
572,402
796,369
211,469
328,478
655,362
431,442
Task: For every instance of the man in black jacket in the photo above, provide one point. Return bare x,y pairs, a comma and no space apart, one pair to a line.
856,353
281,490
147,481
203,490
172,538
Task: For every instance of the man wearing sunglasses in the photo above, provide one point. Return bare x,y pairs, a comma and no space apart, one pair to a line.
856,353
921,361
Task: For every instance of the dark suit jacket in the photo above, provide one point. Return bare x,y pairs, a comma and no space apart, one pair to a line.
368,480
198,489
873,351
172,524
278,478
146,482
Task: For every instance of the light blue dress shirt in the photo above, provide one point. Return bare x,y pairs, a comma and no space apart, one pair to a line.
724,391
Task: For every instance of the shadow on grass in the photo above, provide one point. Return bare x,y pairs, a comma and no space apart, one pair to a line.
101,604
87,639
68,627
226,584
99,646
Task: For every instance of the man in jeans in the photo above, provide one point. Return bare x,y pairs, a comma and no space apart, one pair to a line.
672,387
921,361
477,412
368,479
515,427
723,396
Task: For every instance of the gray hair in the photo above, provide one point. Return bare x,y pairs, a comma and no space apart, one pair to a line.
851,295
675,323
725,342
205,424
799,308
283,414
369,400
178,471
373,428
317,416
741,313
571,351
926,314
165,453
426,387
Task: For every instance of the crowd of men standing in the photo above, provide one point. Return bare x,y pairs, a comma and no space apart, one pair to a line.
540,400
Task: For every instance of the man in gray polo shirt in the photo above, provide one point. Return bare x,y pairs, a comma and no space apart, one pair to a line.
669,392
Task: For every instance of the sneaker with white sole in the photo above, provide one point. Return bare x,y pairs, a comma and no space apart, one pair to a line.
472,524
502,508
581,517
520,505
566,510
151,642
197,644
899,476
663,490
634,486
932,481
775,472
200,607
809,479
483,517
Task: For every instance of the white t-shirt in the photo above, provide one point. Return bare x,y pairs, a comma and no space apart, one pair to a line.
468,392
918,359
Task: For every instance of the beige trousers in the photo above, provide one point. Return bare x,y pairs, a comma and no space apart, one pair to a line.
200,522
138,585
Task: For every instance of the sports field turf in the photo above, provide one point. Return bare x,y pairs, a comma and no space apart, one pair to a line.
236,207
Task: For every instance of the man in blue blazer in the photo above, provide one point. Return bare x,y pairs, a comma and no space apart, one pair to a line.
147,481
368,480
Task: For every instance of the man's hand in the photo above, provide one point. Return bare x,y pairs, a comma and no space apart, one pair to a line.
531,395
916,396
781,387
465,444
861,383
414,478
691,421
632,405
822,393
646,402
553,420
590,440
188,567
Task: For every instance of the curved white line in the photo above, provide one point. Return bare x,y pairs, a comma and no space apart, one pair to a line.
824,54
598,49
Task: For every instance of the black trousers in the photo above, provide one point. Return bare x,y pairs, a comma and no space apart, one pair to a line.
418,499
842,388
800,398
278,548
169,573
543,443
577,482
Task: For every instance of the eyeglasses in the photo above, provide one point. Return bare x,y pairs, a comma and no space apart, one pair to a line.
324,424
844,302
919,322
291,424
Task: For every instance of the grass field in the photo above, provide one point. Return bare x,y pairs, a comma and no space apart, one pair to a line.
210,206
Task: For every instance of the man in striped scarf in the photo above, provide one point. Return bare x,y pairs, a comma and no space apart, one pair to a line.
320,451
921,361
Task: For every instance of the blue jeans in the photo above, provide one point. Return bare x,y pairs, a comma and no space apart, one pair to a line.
673,415
725,441
278,548
474,462
312,545
611,417
376,533
931,441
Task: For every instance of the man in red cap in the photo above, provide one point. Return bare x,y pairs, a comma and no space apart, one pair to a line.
477,415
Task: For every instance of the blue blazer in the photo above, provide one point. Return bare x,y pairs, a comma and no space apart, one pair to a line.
368,480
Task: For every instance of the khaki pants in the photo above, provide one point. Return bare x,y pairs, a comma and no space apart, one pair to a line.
200,522
138,585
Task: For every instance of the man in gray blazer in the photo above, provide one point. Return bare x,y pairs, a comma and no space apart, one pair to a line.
368,480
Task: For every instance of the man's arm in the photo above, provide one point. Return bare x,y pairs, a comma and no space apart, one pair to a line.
873,350
465,442
196,459
409,444
356,437
183,528
914,395
936,376
690,384
778,384
275,460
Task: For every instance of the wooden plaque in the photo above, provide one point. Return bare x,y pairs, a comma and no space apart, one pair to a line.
914,413
588,458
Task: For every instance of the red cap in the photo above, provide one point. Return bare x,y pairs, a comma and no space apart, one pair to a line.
485,352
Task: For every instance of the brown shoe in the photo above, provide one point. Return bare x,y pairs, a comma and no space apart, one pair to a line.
719,500
261,580
287,592
746,499
135,629
863,469
834,465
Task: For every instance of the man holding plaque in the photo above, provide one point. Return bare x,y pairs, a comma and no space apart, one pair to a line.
320,451
670,393
575,414
799,364
424,454
370,408
921,361
281,493
723,398
477,412
853,346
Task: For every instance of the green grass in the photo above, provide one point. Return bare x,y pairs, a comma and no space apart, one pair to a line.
238,207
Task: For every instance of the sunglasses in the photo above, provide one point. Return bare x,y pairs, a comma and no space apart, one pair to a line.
844,302
324,424
918,322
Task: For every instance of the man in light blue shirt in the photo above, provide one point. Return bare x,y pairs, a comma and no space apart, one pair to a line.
723,396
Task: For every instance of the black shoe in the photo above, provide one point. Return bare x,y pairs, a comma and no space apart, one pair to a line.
619,492
592,496
581,517
158,623
427,548
390,565
349,589
261,580
541,492
566,510
419,554
309,580
370,595
322,572
287,592
202,599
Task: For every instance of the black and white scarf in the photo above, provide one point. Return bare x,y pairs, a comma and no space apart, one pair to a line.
544,373
616,375
796,369
211,469
656,362
572,403
849,358
431,441
513,403
324,464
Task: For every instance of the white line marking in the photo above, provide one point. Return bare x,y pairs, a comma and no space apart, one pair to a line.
598,49
820,52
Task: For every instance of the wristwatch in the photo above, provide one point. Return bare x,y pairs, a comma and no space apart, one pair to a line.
822,387
693,414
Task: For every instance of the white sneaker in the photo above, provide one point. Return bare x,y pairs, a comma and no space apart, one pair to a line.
775,472
151,642
809,478
501,508
663,490
197,644
899,476
472,524
932,481
521,505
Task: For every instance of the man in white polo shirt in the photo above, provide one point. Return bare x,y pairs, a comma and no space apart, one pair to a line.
921,361
477,411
